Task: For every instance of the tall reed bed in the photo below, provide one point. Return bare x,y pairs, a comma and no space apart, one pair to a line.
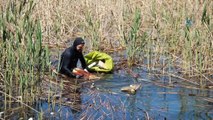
23,59
178,31
135,40
184,35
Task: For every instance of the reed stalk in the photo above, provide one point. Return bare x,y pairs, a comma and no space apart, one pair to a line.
23,58
135,42
93,30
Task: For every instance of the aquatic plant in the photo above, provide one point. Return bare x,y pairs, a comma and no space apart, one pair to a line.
134,41
93,30
23,58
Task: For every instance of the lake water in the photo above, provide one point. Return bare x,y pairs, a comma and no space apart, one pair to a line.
104,100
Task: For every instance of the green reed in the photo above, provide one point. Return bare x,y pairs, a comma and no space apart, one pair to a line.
23,58
176,34
135,42
93,30
188,38
205,16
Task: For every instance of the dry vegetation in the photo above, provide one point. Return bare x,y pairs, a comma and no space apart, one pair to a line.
108,21
180,30
165,33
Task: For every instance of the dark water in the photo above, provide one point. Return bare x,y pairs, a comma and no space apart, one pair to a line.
104,100
152,101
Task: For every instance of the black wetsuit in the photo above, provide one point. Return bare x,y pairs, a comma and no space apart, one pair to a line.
70,57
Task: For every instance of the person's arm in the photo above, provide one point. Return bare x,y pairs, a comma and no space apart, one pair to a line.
65,63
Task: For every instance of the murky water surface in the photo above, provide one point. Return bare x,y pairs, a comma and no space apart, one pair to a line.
104,100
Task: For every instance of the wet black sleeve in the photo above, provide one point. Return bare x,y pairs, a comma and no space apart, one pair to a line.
83,62
65,63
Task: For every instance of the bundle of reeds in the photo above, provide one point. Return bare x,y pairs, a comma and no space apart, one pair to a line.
23,59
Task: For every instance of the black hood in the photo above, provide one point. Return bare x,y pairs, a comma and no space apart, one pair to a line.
78,41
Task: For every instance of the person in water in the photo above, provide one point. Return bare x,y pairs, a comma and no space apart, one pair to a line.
70,57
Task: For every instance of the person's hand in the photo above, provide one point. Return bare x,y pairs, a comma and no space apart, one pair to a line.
77,72
74,70
86,70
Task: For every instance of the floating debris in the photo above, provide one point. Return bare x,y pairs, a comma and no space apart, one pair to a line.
131,89
92,85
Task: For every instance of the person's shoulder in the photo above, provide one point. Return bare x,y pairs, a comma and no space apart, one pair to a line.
67,52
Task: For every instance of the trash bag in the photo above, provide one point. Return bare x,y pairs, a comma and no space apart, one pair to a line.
99,62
